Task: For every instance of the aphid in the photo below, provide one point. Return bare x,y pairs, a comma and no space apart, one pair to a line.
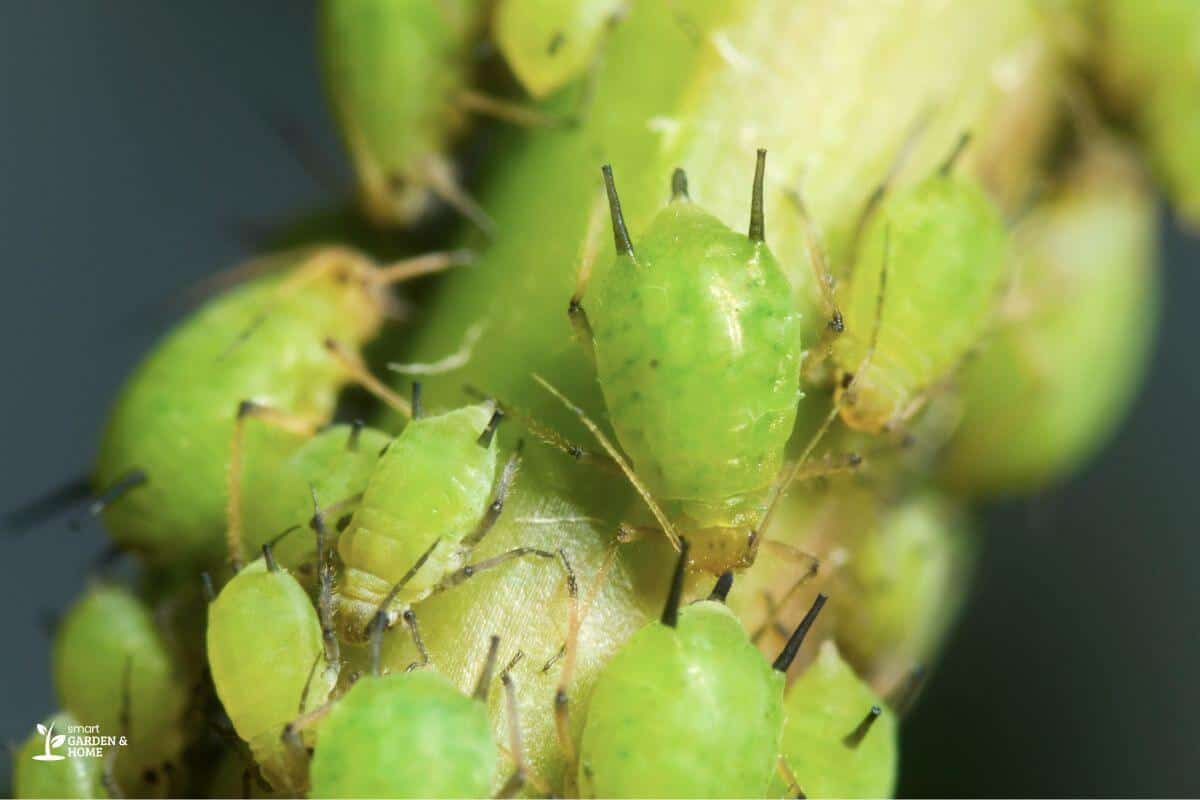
414,734
904,582
113,667
688,707
397,74
839,738
269,662
42,768
549,43
1073,331
433,496
256,352
695,312
922,291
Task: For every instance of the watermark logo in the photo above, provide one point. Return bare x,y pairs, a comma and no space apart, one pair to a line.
82,741
51,743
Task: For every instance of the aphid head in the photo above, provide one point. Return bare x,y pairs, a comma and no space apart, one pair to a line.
350,286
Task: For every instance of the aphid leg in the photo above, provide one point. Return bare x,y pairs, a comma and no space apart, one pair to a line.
499,495
789,777
562,713
291,734
854,738
484,684
329,639
771,619
379,622
960,147
790,474
517,780
667,528
774,607
425,264
471,570
508,111
788,654
410,621
353,364
545,434
588,251
248,409
440,179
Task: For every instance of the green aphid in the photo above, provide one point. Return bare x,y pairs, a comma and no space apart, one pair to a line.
904,582
395,73
333,466
839,739
698,352
42,768
549,43
688,707
1074,332
269,664
414,734
261,350
113,668
431,498
921,295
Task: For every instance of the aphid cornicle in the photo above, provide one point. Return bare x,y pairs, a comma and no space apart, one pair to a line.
114,668
688,707
414,734
268,661
256,351
394,72
549,43
921,293
37,777
432,497
696,312
839,738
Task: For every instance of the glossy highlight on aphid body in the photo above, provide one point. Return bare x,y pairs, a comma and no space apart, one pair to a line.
697,349
921,294
688,707
257,356
549,43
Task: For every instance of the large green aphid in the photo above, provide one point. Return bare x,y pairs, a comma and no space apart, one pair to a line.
414,734
258,351
396,73
922,292
41,772
698,352
113,667
688,707
1070,346
839,739
549,43
433,497
269,663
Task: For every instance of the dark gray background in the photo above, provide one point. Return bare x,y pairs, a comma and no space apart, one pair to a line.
132,141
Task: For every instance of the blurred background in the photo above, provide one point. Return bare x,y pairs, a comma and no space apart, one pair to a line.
136,147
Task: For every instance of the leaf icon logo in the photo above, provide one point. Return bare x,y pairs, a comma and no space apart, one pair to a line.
50,742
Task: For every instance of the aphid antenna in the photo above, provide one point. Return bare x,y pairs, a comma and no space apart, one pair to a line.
609,448
484,683
757,231
545,434
562,712
310,156
822,272
790,474
620,233
670,614
120,488
489,430
960,146
407,269
292,730
418,410
679,186
855,737
356,429
788,654
329,638
774,607
353,364
47,505
721,590
506,111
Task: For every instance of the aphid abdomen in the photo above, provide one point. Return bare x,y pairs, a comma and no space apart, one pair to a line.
392,70
405,735
942,245
264,649
433,485
335,464
689,711
548,43
698,356
175,417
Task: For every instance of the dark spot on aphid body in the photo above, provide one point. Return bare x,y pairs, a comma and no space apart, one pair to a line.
556,43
